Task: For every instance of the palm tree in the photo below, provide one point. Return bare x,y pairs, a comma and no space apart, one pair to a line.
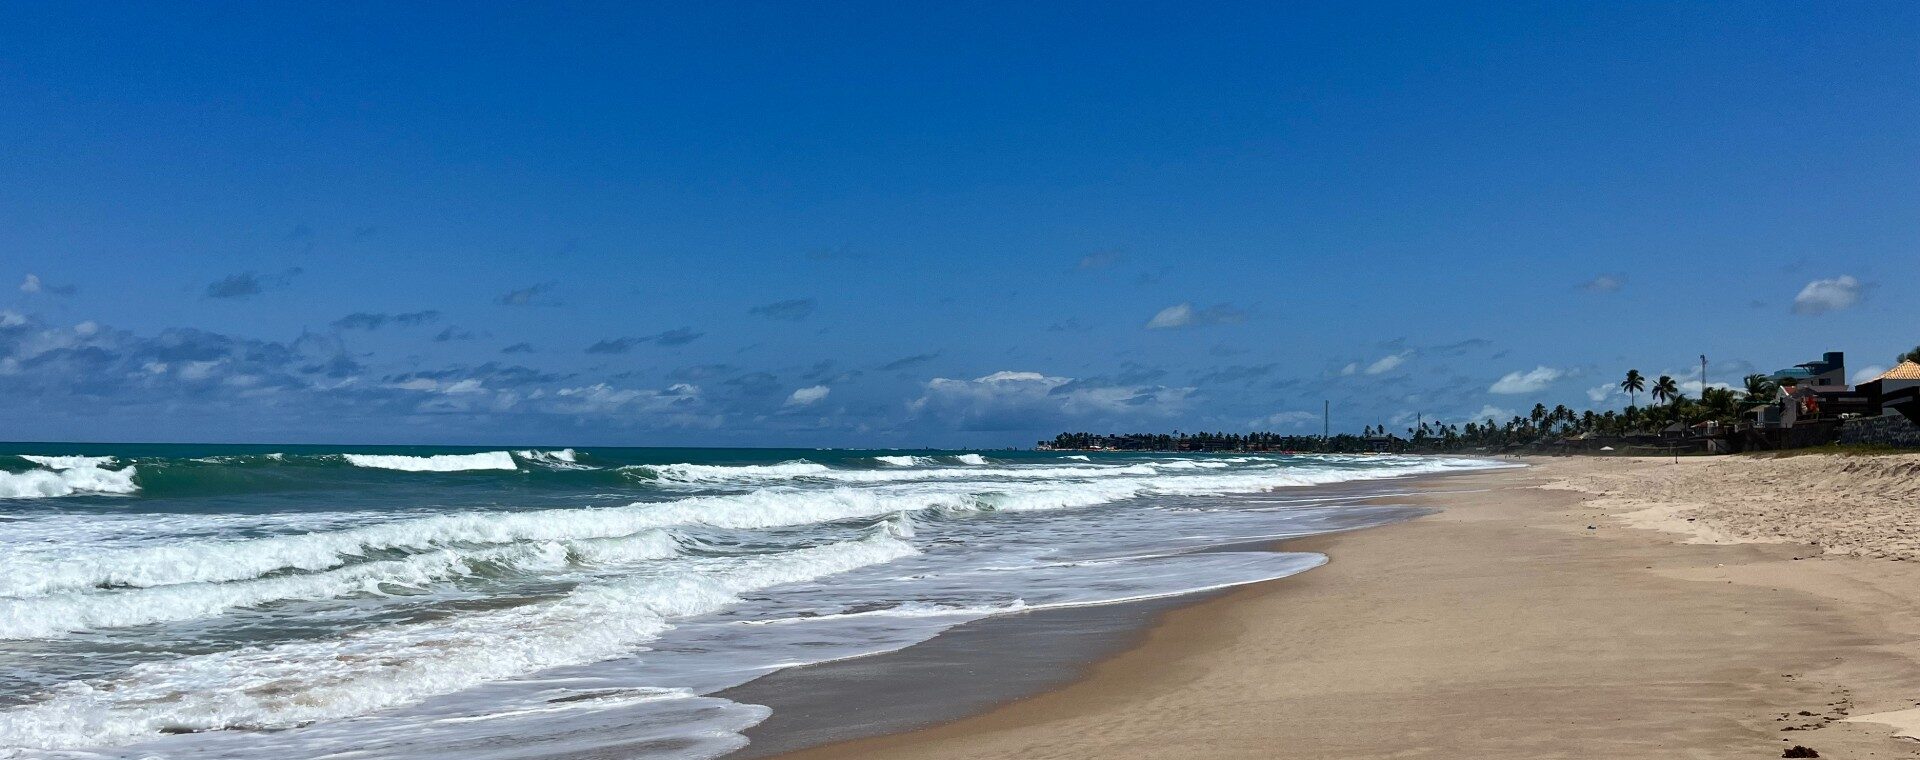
1633,385
1759,388
1721,404
1665,389
1910,356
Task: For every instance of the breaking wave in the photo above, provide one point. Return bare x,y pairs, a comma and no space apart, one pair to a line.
803,470
490,460
67,462
373,669
479,608
70,480
233,560
49,616
236,560
560,459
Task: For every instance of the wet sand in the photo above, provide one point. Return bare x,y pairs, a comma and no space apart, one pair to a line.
964,671
1502,626
984,663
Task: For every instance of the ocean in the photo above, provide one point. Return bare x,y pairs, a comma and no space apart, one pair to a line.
212,601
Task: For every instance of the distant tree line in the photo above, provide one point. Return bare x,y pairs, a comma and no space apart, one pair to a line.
1178,441
1541,425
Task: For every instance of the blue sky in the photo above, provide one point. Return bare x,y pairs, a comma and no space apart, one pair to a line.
912,224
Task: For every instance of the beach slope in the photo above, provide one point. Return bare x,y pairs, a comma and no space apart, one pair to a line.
1534,616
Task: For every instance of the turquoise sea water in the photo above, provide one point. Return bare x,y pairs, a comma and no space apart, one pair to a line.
308,601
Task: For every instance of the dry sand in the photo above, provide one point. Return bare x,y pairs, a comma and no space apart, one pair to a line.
1504,626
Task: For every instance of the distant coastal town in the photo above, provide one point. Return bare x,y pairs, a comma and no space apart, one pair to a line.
1808,404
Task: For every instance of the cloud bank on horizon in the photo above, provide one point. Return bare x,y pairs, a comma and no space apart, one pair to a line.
1217,222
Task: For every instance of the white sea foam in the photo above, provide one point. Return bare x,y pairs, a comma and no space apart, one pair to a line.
903,461
810,471
218,561
1191,464
490,676
970,459
49,616
73,480
373,669
713,473
907,610
488,460
559,459
67,462
1078,457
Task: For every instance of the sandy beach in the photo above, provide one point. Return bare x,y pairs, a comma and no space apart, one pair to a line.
1712,608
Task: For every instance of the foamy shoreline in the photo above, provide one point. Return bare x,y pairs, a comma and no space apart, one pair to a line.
403,615
1525,620
992,661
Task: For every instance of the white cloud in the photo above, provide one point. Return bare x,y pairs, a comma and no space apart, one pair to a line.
1286,419
1352,368
1005,376
1388,363
199,370
469,385
1011,400
1532,381
430,385
1172,317
808,396
601,398
1494,413
1606,283
1602,392
1184,315
1692,387
31,284
1868,373
1822,296
11,319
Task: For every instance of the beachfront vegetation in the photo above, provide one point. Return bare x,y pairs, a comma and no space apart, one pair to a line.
1540,425
1177,441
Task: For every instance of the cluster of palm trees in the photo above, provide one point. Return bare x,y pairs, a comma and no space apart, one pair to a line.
1723,405
1666,390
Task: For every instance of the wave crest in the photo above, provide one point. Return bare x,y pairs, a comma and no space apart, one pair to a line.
487,460
74,480
364,671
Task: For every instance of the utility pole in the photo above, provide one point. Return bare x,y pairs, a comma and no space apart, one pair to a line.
1703,377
